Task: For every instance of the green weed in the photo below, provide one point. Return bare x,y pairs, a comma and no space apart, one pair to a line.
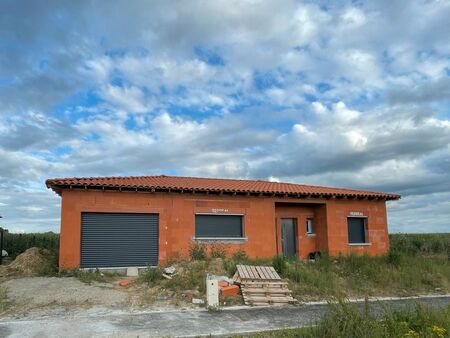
217,251
197,251
347,320
279,264
151,275
88,276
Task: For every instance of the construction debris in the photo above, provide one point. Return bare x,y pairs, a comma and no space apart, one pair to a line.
262,285
125,283
221,278
170,270
166,276
223,284
198,301
232,290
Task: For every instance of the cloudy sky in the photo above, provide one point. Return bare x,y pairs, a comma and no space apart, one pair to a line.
341,93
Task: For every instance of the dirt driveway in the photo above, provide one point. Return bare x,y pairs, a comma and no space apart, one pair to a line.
48,294
43,291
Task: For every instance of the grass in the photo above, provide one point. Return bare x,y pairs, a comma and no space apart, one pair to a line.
416,264
88,276
4,302
347,320
151,275
356,276
426,244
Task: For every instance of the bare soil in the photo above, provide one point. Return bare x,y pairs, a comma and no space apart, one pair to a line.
24,289
46,294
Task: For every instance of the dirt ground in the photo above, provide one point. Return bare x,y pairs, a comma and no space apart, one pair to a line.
31,283
24,289
42,291
45,294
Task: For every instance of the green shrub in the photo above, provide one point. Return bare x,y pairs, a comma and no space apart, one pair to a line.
324,261
240,256
51,267
197,251
294,273
151,275
393,257
279,264
230,266
193,277
218,251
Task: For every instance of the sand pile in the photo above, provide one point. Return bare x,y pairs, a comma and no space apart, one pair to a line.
29,263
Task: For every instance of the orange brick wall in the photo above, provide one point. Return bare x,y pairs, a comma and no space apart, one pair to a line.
337,212
261,221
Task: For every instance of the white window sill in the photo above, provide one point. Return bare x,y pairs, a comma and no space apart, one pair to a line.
311,234
359,244
220,239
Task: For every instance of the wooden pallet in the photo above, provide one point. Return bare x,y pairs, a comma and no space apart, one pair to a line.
262,285
247,273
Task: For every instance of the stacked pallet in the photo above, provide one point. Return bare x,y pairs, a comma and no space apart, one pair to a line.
261,285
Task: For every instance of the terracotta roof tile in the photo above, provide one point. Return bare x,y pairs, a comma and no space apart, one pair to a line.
209,184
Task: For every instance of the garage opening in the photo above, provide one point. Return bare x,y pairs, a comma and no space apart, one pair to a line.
114,240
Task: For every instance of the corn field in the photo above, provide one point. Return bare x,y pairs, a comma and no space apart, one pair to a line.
15,243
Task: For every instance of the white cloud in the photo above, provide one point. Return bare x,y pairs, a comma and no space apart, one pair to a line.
336,94
353,17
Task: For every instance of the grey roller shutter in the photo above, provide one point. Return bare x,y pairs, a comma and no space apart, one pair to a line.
356,230
217,226
118,240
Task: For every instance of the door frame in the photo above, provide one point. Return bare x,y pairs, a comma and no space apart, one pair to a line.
295,223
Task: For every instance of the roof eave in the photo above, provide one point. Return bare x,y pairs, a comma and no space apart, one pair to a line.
58,188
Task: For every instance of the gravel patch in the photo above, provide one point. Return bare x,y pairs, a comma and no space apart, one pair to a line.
41,291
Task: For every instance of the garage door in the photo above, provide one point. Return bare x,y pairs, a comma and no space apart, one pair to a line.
118,240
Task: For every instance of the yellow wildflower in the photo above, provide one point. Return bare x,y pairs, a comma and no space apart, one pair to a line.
412,334
438,331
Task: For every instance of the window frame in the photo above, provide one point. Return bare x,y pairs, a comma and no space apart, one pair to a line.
366,231
311,230
242,238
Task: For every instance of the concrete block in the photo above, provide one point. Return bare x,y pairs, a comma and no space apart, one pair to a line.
132,272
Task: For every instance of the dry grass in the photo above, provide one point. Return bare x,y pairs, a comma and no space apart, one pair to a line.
346,320
416,264
4,302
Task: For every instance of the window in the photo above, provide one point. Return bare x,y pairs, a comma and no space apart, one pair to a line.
218,226
309,226
357,230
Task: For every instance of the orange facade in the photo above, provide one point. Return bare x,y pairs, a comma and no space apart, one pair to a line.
262,220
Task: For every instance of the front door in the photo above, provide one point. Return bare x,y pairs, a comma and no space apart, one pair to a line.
289,237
